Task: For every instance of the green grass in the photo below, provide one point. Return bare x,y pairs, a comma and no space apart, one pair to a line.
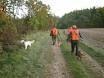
97,55
32,63
77,68
29,63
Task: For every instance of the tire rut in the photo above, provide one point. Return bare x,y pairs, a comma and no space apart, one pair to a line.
93,65
58,68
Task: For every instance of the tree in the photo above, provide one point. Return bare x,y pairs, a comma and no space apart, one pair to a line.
86,18
38,13
8,32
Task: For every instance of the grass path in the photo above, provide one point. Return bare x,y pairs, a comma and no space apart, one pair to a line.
88,67
43,60
97,54
93,66
58,68
77,68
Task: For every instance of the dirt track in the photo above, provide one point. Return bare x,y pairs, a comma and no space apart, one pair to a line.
58,67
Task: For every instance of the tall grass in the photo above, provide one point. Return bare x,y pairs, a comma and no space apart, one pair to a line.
30,63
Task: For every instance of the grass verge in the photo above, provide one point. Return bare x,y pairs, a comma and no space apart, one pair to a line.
77,68
97,55
30,63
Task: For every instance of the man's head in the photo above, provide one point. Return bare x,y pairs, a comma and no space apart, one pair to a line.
74,27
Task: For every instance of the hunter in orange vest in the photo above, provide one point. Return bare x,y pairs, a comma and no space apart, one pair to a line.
53,34
75,36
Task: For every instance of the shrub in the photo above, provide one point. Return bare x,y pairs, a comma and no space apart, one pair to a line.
8,33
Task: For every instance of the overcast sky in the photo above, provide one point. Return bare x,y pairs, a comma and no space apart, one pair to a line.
60,7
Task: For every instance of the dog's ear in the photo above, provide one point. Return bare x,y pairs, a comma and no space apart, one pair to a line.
22,41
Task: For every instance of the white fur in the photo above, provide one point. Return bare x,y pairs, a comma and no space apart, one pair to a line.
27,43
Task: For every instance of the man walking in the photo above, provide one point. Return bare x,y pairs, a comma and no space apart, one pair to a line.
75,36
54,34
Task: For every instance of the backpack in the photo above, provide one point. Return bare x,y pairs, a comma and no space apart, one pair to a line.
54,32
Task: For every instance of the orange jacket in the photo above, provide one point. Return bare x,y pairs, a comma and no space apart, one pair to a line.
75,34
54,31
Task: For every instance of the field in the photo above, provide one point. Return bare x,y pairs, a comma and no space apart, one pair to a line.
43,60
94,38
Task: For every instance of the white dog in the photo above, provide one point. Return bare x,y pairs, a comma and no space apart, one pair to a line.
27,43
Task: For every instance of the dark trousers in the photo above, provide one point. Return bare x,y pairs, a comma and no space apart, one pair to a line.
54,39
74,45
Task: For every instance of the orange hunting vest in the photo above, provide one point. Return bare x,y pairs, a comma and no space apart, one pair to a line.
54,31
75,34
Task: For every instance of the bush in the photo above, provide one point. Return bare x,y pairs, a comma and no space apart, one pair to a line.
8,33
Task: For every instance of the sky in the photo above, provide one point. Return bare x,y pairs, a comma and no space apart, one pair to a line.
60,7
